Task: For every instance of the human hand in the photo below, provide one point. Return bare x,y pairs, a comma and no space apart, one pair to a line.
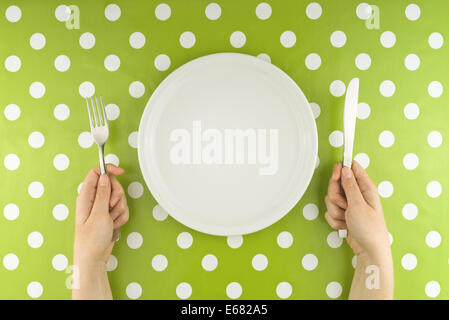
353,203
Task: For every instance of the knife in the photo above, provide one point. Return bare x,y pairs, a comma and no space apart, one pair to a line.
349,118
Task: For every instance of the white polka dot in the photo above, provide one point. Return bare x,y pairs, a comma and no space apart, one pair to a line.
316,110
313,61
162,62
263,11
86,89
363,110
337,88
62,63
112,62
112,12
284,290
85,139
136,89
285,239
13,63
288,39
37,90
436,40
37,41
310,211
314,11
334,290
184,240
60,212
137,40
385,189
434,189
112,111
390,238
364,11
61,162
387,88
354,261
112,263
10,261
412,12
336,138
434,139
112,158
79,187
363,61
159,214
87,40
213,11
13,13
432,289
132,139
309,262
362,159
187,39
163,11
134,240
265,57
409,261
133,290
62,13
433,239
11,161
234,242
35,239
409,211
386,139
435,89
237,39
159,262
209,262
411,111
12,112
234,290
410,161
59,262
412,62
183,290
36,140
388,39
338,39
35,289
259,262
11,211
135,190
333,240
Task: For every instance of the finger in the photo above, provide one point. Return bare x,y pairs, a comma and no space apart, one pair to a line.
335,211
334,223
334,190
112,169
350,187
102,197
117,192
366,185
119,209
86,197
121,220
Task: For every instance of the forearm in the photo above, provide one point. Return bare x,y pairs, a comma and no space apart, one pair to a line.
373,277
90,282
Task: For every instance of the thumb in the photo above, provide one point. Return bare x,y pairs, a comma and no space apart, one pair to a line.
101,203
350,186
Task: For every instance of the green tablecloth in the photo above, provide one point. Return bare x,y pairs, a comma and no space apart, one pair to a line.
402,64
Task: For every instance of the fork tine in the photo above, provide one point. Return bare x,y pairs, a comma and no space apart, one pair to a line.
94,111
100,116
104,112
90,114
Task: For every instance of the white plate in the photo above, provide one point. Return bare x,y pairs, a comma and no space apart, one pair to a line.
227,91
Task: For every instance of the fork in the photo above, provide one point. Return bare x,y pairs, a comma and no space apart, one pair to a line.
100,132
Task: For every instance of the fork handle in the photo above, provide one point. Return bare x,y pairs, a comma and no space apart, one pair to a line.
103,170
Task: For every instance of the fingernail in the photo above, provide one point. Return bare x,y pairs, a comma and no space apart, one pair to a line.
347,173
104,180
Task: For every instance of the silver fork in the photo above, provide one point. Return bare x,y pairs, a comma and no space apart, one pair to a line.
99,129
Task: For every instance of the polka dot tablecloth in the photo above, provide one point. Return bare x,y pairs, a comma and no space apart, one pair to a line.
123,50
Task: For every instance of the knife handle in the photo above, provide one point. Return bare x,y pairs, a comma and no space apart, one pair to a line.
347,162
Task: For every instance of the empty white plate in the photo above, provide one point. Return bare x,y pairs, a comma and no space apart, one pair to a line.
227,144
